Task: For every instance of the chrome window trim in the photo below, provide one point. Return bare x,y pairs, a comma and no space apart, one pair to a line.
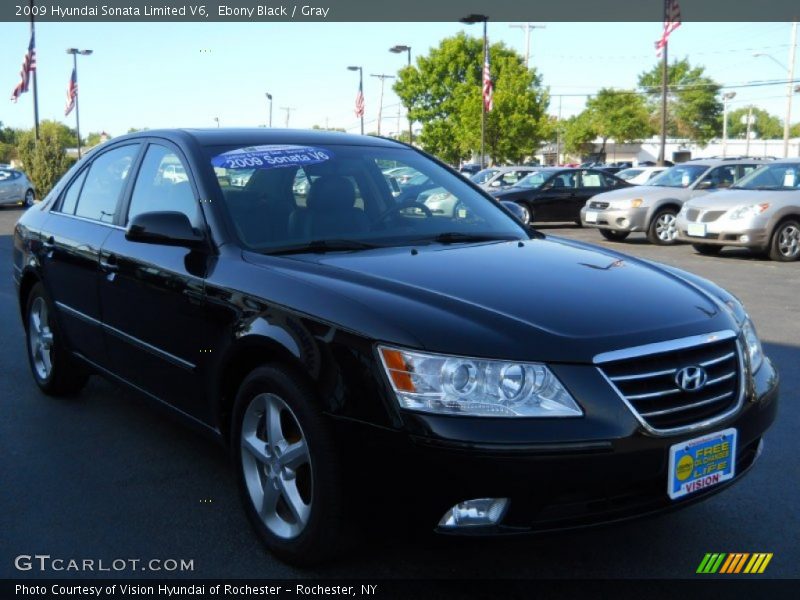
671,345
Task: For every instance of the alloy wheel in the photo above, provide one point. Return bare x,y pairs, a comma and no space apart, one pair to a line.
276,464
665,227
40,336
789,241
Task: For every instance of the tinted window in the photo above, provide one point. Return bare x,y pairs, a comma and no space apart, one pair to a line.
300,194
722,176
775,176
105,182
163,185
71,196
679,176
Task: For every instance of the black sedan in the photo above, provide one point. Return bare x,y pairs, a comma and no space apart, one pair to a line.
553,194
366,359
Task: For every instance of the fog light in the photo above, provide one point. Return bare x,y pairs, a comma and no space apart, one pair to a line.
623,222
744,238
474,513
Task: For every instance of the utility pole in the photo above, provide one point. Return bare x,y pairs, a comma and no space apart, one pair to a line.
725,98
383,79
787,123
288,110
269,97
527,27
558,134
664,77
747,135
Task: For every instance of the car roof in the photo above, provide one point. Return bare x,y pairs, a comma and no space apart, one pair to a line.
715,162
261,135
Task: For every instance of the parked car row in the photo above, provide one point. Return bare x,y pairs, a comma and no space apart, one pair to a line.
754,205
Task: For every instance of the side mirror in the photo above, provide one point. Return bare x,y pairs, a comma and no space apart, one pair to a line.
164,228
705,184
496,183
515,209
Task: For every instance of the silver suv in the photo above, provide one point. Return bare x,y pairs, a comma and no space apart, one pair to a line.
652,208
761,212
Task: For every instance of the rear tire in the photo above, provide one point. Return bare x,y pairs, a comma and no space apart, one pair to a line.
287,467
785,243
707,249
663,230
55,370
614,236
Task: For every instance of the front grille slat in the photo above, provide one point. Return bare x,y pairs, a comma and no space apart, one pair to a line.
669,411
599,205
649,381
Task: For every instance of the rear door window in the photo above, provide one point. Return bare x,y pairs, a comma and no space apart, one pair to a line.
105,182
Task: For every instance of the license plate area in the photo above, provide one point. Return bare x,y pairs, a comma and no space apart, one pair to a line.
696,229
701,463
591,216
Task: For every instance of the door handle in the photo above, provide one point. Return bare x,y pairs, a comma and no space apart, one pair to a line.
109,264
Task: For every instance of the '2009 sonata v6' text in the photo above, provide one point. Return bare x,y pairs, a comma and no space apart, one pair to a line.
353,348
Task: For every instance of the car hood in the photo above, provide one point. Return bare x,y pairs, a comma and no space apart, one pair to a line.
727,199
647,192
542,299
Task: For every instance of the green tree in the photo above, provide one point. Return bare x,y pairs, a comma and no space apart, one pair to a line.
621,115
578,134
8,142
765,125
693,108
94,138
794,131
444,94
45,161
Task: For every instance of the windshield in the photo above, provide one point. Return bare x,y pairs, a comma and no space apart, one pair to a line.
679,176
534,180
775,176
483,176
629,174
336,197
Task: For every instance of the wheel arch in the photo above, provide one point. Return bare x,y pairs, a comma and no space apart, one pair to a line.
29,279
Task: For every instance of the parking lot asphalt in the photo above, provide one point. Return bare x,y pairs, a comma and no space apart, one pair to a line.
107,476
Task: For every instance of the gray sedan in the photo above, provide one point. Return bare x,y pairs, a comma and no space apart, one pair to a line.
761,212
15,187
652,208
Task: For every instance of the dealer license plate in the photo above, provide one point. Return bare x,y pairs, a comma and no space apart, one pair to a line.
697,229
701,463
591,216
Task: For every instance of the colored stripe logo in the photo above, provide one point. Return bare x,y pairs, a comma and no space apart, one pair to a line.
734,563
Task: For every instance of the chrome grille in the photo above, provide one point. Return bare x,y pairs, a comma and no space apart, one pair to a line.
647,381
598,205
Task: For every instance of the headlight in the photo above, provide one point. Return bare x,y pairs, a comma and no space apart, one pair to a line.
754,350
747,211
623,204
454,385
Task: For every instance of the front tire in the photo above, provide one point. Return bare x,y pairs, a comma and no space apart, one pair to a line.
614,236
287,467
29,198
663,230
707,249
785,244
54,369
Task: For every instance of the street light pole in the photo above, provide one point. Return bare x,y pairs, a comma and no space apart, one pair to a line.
269,97
787,123
361,91
725,98
383,79
397,50
75,52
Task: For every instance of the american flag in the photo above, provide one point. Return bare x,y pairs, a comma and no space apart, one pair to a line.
672,20
488,88
360,101
28,67
72,93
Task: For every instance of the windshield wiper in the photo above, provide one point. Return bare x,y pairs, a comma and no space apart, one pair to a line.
457,237
333,245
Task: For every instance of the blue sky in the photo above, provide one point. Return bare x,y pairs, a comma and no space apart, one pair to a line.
185,75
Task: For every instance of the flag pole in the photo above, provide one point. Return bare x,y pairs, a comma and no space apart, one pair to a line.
35,87
664,69
483,100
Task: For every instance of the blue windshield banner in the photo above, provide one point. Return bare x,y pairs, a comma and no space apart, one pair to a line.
271,157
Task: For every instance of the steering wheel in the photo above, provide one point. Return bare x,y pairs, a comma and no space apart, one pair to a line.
401,206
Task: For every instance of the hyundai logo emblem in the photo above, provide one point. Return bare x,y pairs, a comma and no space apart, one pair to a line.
691,379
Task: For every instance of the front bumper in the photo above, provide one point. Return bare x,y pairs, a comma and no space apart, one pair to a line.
747,233
618,219
559,482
